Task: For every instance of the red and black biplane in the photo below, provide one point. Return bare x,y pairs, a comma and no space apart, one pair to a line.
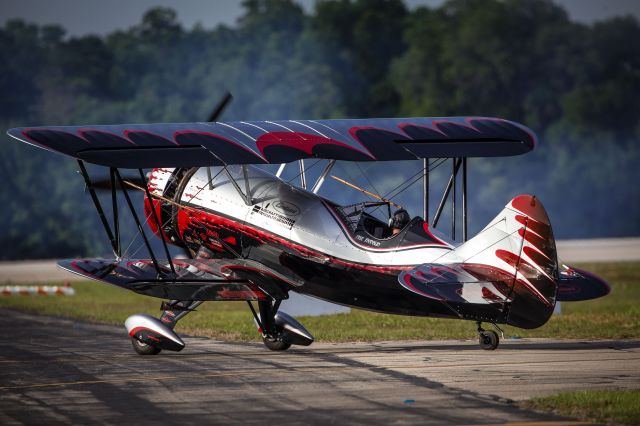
251,236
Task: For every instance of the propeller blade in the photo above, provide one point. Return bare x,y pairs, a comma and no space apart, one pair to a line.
220,107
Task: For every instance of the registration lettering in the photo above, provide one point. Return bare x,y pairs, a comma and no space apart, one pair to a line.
368,241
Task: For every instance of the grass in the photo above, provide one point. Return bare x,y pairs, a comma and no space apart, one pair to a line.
611,407
612,317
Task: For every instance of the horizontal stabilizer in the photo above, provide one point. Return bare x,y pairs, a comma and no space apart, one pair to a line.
275,142
210,279
576,284
459,283
472,291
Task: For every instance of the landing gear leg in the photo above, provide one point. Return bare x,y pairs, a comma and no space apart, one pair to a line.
149,335
266,320
488,338
175,310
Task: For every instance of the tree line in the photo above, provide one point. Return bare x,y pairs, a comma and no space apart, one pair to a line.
576,85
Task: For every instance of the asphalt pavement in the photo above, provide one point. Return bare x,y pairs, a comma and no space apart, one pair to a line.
55,371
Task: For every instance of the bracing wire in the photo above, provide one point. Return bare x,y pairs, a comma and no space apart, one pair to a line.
410,181
375,190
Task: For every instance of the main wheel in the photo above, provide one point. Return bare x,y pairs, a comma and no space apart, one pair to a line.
488,339
143,348
275,345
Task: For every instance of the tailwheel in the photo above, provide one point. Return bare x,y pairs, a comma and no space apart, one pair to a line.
143,348
488,339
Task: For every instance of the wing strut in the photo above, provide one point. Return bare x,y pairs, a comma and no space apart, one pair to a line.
457,163
303,177
455,166
114,208
321,178
137,220
443,200
247,187
115,243
425,189
157,221
247,197
464,199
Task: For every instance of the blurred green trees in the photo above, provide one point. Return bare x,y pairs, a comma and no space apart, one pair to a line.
576,85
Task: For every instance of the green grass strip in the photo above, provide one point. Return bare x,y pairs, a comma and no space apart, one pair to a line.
617,407
615,316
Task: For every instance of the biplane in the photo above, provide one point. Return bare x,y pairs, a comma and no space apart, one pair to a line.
251,236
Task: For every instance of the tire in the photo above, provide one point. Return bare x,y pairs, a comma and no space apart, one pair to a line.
275,345
143,348
488,340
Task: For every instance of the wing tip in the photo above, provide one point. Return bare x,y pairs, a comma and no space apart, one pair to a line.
15,132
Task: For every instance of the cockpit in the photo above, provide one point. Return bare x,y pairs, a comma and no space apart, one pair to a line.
361,217
375,221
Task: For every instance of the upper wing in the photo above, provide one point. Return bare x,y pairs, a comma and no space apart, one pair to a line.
260,142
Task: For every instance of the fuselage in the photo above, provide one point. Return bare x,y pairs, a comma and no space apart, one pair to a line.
325,250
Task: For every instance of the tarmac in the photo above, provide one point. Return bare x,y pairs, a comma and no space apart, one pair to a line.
55,371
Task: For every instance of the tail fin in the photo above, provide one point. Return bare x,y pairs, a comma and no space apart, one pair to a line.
519,241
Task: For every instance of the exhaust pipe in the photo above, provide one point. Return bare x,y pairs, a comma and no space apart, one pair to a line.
153,332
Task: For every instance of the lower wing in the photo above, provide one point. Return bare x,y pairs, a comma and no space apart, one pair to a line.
193,279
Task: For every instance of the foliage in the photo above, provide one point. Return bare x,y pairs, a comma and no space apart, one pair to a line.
575,85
